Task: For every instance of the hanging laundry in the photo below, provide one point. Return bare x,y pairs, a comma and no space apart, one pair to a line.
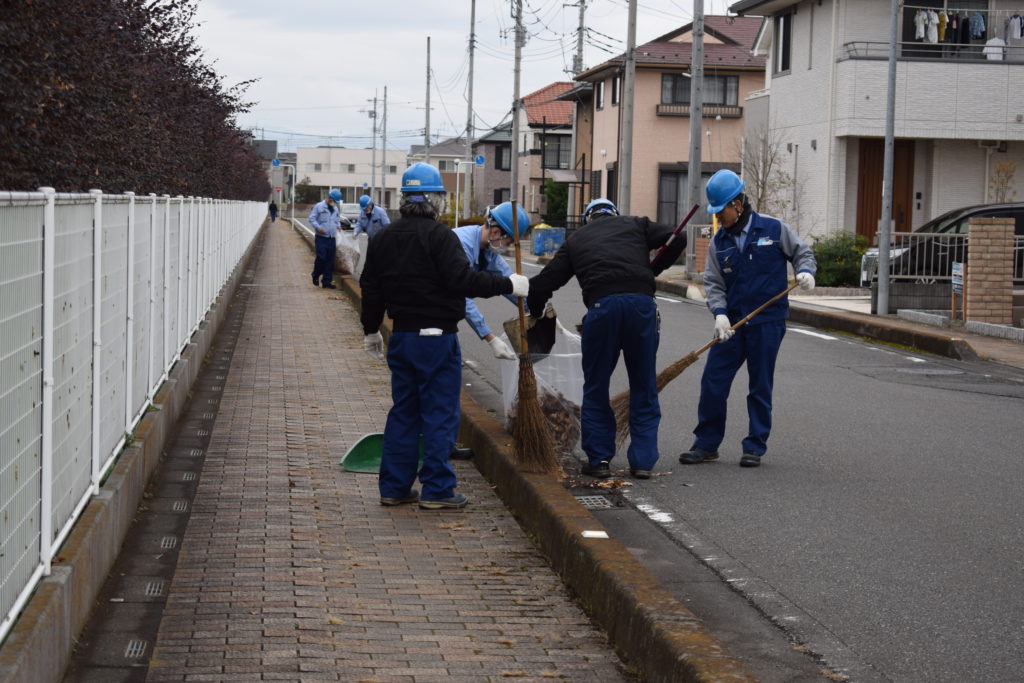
994,49
933,27
943,20
920,22
977,24
1016,27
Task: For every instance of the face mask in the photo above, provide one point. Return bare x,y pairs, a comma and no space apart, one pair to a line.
499,249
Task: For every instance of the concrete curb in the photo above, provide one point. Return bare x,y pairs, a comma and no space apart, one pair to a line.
39,646
648,626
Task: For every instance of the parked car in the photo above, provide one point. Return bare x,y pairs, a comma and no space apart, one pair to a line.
350,213
941,243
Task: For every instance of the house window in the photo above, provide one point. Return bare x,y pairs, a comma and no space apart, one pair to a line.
502,195
557,151
392,169
350,168
675,89
503,157
315,168
599,94
616,82
595,185
783,42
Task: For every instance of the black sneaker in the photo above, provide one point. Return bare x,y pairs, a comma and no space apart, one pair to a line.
695,456
316,281
459,453
640,474
750,459
456,502
331,286
410,497
600,470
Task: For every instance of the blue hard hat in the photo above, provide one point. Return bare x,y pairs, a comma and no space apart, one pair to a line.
723,187
421,177
365,201
599,207
335,195
501,215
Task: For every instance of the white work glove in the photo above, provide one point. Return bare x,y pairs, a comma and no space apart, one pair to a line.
723,328
520,284
501,349
373,344
806,281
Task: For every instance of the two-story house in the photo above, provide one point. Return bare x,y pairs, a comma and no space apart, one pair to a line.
449,157
959,105
545,145
353,172
493,182
661,118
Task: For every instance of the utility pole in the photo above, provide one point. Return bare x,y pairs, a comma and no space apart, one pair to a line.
384,153
625,163
693,176
373,155
884,232
469,109
577,61
426,128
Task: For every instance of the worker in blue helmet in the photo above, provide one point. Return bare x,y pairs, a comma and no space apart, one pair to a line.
610,257
747,264
485,245
371,217
417,272
325,218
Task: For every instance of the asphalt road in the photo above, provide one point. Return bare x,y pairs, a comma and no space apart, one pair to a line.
882,533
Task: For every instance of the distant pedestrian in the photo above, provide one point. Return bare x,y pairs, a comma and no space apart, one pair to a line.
746,265
610,257
484,246
273,211
371,217
417,272
325,219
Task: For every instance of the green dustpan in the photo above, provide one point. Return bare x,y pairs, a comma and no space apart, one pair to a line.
364,455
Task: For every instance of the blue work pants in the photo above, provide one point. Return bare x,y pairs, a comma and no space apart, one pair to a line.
626,323
758,345
426,378
323,266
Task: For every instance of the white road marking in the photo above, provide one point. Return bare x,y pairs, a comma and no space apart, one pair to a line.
917,360
655,514
665,298
819,335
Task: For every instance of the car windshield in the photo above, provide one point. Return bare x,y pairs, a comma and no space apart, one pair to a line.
350,209
945,223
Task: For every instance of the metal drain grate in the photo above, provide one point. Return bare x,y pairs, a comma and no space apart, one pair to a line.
189,476
180,505
212,401
594,502
209,416
217,388
136,648
202,432
168,542
219,377
196,453
154,589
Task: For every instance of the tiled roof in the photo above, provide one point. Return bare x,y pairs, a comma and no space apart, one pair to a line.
542,106
455,147
737,36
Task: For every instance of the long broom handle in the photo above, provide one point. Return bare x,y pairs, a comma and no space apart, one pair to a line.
674,234
519,270
743,321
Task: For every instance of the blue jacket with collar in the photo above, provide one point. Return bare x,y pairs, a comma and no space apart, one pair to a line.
371,223
737,282
325,217
469,237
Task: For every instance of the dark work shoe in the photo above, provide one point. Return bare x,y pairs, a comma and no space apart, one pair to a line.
640,474
600,470
410,497
457,501
750,459
331,286
316,281
695,456
461,453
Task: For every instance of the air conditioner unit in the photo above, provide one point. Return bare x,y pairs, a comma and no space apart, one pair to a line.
997,145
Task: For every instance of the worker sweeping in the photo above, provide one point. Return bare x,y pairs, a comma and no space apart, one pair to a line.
417,272
485,245
610,257
746,263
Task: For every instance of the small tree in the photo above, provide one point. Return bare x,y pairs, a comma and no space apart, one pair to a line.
769,187
1000,184
306,192
557,201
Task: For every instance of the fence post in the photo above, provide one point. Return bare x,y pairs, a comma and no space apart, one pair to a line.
97,330
151,331
165,359
182,299
129,355
46,465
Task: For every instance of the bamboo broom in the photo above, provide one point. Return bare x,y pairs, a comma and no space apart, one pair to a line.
620,404
533,448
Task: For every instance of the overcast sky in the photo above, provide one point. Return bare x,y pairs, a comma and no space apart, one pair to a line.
316,63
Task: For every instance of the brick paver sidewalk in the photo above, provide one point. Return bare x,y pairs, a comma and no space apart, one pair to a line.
291,570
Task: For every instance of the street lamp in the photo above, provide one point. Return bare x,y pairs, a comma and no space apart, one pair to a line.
478,161
277,162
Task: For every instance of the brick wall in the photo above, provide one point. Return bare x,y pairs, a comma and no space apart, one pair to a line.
989,279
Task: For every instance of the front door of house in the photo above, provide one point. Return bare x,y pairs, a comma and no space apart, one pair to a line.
869,186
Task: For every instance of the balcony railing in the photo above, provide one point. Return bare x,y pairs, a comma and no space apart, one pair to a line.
950,52
726,111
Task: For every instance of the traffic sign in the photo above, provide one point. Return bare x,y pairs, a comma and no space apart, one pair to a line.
366,184
479,160
277,189
276,162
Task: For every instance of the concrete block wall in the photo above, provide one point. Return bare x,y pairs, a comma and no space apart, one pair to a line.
988,285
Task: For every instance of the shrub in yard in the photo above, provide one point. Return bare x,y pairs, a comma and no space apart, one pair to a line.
838,256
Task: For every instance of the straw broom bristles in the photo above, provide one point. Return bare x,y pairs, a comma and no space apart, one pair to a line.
533,448
620,403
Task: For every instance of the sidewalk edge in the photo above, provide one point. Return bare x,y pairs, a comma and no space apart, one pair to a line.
40,644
